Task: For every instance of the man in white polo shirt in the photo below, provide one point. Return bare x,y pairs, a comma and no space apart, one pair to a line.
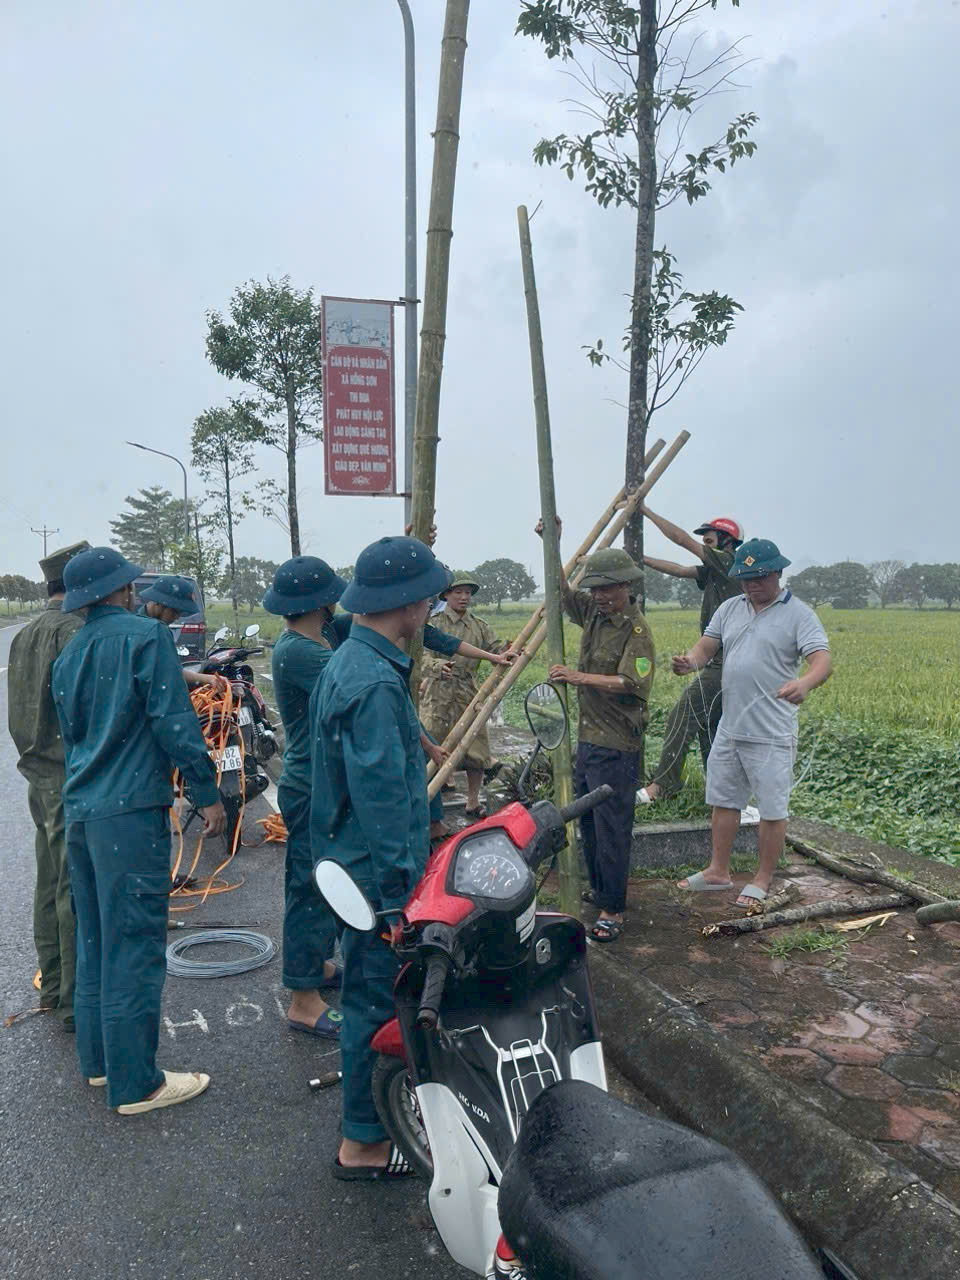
764,634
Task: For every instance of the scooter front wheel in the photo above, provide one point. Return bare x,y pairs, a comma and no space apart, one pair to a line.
397,1106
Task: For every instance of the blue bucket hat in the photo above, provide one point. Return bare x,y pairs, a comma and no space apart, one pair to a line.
301,585
757,558
392,573
95,574
172,592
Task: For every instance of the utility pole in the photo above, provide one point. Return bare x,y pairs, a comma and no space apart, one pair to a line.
410,257
567,860
45,534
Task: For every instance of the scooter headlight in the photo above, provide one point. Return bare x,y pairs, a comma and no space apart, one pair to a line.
488,865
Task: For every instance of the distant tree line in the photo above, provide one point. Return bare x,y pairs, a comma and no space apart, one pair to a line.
14,586
844,585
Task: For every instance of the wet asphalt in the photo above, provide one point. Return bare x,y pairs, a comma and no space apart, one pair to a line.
231,1186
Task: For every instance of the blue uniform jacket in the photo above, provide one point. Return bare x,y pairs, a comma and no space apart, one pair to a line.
298,663
369,810
126,719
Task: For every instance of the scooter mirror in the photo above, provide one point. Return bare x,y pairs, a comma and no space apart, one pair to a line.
221,634
546,715
252,630
344,897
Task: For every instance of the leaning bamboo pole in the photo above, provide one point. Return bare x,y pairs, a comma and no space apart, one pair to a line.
618,503
485,706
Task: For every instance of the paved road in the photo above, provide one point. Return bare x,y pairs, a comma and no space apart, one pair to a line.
235,1184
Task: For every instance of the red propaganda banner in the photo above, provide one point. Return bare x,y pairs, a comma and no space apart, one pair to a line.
359,428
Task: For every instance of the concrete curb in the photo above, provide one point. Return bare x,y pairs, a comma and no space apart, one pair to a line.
844,1193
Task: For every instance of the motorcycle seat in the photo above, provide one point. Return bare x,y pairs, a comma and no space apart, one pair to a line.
595,1188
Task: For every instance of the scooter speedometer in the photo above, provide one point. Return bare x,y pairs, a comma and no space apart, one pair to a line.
490,868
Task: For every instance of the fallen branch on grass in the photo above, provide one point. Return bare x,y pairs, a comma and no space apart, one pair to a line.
774,902
813,911
868,875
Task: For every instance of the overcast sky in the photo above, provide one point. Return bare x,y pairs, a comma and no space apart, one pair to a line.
156,156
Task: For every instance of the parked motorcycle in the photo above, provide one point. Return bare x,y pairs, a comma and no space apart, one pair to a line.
491,1080
251,741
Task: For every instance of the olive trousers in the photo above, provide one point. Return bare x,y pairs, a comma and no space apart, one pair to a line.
54,928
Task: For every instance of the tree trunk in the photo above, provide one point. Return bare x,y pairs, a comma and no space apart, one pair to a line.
643,270
233,567
829,909
292,513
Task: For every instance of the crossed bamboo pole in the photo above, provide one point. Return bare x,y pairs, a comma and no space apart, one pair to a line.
495,687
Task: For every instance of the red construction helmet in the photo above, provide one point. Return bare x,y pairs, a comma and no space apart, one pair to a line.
724,524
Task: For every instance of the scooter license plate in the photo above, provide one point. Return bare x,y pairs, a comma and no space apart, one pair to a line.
228,759
245,716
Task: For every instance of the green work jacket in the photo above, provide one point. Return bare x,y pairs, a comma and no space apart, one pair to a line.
126,719
298,663
31,715
369,810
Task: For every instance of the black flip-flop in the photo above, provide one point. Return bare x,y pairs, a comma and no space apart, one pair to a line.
396,1167
606,930
476,814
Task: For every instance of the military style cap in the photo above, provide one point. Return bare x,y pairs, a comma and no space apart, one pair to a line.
757,558
52,566
608,567
392,573
461,580
302,585
94,574
172,592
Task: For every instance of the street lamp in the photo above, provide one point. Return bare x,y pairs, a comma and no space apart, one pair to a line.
186,514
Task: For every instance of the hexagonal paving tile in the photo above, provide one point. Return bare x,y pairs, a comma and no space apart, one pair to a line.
728,1013
852,1053
842,1025
864,1082
944,1146
920,1073
795,1064
883,1014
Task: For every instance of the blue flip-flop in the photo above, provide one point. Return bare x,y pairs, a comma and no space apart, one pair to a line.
327,1026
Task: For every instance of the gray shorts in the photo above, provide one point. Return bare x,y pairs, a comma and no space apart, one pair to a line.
738,771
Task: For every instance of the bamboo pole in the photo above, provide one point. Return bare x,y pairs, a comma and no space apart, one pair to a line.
446,144
533,621
486,706
568,861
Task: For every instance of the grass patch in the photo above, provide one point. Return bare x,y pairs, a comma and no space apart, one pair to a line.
740,862
808,940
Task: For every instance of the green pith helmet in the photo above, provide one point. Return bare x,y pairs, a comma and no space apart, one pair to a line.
609,567
461,580
757,558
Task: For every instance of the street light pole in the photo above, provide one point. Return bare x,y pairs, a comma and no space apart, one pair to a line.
410,263
186,514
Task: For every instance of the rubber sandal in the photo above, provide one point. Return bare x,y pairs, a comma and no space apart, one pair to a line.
753,892
97,1081
178,1086
335,981
697,884
396,1167
327,1026
606,930
477,813
492,772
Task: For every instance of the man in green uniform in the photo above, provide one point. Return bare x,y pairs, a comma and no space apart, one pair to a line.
369,809
613,680
36,734
126,721
449,685
697,714
304,593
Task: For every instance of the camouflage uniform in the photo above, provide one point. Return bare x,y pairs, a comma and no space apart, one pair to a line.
36,733
611,724
444,701
697,713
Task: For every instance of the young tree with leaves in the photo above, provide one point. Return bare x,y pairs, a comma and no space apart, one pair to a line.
272,342
222,451
646,86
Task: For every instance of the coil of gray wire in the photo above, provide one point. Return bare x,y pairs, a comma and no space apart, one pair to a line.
264,950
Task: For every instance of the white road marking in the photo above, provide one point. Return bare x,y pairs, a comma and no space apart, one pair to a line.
2,670
270,795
